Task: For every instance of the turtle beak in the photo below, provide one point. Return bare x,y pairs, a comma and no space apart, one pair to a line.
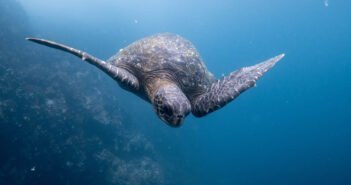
177,121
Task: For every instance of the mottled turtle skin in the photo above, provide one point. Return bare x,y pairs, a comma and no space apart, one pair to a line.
167,71
165,55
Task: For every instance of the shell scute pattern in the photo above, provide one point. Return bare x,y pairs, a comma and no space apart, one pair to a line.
166,52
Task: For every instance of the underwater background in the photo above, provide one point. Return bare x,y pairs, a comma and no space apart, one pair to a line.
63,121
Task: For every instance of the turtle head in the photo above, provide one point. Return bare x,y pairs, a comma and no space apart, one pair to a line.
171,105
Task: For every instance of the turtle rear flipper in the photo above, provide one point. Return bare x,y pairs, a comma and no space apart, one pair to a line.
123,77
231,86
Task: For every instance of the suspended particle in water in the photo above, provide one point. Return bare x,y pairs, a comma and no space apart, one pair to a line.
69,163
50,102
136,21
326,4
26,118
32,169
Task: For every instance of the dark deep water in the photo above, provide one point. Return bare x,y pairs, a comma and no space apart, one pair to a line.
65,122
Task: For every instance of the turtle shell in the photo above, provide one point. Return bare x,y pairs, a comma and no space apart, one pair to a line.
168,53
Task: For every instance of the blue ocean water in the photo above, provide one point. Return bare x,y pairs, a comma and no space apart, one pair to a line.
66,122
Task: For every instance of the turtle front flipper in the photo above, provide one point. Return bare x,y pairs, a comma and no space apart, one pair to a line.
229,87
123,77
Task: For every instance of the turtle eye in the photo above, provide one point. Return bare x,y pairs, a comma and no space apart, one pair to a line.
167,110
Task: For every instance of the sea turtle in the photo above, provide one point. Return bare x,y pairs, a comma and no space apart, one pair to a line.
166,70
